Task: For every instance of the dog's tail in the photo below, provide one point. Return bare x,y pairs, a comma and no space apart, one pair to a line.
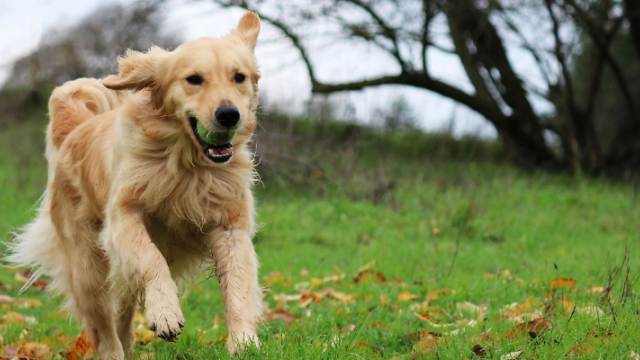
37,246
72,104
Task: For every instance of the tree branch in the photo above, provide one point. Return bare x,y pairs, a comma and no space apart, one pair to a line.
603,40
282,27
420,80
387,32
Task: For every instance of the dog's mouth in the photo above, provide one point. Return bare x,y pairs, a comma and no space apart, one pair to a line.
217,146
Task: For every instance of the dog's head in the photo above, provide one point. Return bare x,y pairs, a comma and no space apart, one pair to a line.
208,85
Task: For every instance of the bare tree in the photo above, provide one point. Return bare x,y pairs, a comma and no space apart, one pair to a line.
552,31
90,49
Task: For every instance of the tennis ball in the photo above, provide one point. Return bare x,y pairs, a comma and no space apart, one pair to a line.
215,138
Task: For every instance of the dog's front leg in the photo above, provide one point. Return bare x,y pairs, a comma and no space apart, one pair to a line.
137,262
237,271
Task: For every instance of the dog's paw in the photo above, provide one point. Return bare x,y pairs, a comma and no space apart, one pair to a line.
165,320
238,342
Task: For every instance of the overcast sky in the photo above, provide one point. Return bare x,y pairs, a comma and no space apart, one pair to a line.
285,81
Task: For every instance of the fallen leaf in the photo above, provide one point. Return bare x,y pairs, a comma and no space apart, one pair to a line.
533,328
16,318
634,355
57,339
71,353
585,347
567,304
338,295
139,319
406,296
562,282
521,312
9,351
474,309
432,295
84,346
598,290
428,343
480,351
4,299
35,350
286,316
512,356
275,278
144,336
307,298
23,303
384,299
592,311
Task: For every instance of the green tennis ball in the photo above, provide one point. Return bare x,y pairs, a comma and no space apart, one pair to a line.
215,138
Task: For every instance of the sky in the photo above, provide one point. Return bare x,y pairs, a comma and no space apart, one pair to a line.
285,81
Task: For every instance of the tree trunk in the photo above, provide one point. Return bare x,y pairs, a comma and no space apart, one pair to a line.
482,53
632,13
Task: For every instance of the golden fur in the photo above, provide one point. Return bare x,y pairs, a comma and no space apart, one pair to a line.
132,203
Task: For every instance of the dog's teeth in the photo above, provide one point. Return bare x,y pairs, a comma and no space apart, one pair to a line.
210,151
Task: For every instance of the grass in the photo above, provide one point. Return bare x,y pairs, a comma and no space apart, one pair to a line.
450,224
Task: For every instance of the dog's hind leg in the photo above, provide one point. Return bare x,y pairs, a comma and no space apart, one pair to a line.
91,293
127,305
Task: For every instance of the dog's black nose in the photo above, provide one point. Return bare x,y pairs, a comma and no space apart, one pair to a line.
227,116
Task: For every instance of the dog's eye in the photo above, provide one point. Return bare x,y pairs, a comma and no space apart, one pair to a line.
239,78
194,80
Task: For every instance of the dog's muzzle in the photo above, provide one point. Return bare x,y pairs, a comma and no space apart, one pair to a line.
217,145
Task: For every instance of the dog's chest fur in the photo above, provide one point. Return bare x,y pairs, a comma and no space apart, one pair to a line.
198,198
168,178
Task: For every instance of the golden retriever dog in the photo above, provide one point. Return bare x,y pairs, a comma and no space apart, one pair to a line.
142,193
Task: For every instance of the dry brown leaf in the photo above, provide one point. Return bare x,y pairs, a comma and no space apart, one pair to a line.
16,318
139,319
428,343
84,346
562,282
591,311
432,295
480,351
4,299
58,340
275,278
35,350
71,353
23,303
307,298
586,348
286,316
580,350
367,275
384,299
533,328
9,351
598,290
406,296
144,336
338,295
475,310
512,356
520,312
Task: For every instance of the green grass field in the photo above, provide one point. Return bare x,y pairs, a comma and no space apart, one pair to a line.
461,255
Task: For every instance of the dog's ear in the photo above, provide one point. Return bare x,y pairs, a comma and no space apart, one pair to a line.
249,28
137,70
